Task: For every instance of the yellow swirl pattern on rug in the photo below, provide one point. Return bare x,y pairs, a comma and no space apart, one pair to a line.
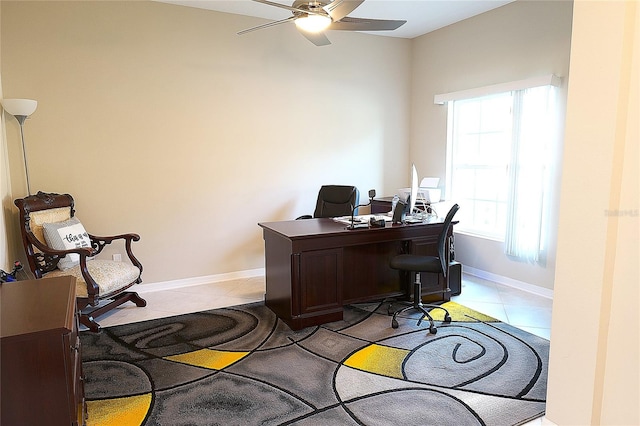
379,359
208,358
460,313
129,410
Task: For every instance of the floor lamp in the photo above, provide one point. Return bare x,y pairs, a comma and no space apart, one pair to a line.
21,109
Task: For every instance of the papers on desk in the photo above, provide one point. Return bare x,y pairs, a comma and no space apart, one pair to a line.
361,220
413,219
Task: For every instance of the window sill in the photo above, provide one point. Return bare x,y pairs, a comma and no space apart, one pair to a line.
477,235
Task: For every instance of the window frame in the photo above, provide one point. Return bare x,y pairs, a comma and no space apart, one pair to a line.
507,231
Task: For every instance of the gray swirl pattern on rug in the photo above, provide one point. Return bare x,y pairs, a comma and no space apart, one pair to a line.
469,373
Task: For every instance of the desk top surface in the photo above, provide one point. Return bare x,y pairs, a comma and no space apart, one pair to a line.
325,226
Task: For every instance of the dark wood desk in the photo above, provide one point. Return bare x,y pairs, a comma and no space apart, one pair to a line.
316,266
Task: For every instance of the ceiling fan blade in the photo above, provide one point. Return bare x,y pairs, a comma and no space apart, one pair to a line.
282,6
291,8
267,25
338,9
361,24
319,39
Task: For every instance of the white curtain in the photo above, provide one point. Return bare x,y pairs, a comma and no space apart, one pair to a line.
534,132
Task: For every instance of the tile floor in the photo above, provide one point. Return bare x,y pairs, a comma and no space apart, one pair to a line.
516,307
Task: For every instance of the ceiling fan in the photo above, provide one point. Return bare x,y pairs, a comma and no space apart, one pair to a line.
312,18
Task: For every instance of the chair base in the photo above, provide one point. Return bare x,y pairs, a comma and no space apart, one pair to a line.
421,308
417,305
88,318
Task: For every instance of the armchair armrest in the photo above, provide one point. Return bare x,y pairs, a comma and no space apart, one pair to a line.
109,240
50,257
99,242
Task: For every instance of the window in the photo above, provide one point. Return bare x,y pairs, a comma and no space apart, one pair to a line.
498,164
480,149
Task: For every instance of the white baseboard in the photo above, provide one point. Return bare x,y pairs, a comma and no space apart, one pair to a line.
208,279
509,282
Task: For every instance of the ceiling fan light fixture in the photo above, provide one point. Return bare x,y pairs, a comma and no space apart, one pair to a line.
313,23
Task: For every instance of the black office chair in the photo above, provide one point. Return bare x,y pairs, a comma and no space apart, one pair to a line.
417,263
335,200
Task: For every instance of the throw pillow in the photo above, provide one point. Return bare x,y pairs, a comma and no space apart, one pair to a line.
66,235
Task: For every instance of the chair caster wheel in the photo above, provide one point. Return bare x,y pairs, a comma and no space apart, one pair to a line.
447,318
433,329
394,323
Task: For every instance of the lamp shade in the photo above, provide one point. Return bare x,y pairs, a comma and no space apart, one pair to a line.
22,107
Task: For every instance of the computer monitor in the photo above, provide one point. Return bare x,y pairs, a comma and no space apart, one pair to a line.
414,189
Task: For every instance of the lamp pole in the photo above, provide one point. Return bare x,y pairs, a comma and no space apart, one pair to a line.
21,119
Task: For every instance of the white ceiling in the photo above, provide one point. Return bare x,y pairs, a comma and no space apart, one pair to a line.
422,16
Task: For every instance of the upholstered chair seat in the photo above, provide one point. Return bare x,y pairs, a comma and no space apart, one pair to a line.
111,276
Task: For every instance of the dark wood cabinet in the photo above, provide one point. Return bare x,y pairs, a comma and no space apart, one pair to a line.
41,365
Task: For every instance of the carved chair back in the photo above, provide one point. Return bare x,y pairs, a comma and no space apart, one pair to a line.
34,211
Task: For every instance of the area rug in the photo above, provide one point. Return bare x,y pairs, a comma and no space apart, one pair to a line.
242,366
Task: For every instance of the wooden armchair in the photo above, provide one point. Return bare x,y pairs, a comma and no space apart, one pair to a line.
56,244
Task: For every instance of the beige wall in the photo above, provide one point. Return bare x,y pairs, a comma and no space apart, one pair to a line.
160,120
594,362
9,235
521,40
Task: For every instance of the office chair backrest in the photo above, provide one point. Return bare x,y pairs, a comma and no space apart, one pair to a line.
442,239
336,200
